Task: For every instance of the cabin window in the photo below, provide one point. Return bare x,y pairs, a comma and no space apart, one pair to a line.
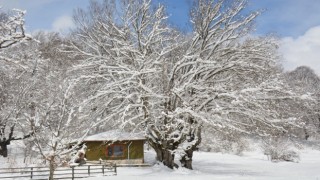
116,150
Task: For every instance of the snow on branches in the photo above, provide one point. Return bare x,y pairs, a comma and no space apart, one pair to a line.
12,87
141,74
12,28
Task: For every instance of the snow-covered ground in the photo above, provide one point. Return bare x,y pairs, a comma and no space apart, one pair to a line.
251,165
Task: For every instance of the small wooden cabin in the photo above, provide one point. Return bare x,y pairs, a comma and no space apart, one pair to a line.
115,146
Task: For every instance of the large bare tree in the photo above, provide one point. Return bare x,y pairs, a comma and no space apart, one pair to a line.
141,74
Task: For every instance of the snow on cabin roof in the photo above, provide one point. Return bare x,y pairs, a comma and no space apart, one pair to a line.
115,135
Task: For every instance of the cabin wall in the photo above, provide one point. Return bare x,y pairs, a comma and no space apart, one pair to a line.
136,150
96,150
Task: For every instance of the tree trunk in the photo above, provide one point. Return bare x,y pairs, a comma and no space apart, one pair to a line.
3,149
51,167
164,148
186,160
159,156
194,140
166,157
306,134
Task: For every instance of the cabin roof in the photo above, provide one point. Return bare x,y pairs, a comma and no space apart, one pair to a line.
115,135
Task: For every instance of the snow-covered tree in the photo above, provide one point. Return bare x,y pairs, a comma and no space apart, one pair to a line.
55,125
15,70
122,56
14,104
303,79
143,75
123,51
12,28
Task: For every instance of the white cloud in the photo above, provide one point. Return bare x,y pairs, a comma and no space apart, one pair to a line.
304,50
62,23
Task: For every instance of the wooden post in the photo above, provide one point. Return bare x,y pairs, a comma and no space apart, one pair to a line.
115,169
103,170
89,170
31,173
72,172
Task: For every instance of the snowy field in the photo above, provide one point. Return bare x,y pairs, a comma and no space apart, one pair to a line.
208,166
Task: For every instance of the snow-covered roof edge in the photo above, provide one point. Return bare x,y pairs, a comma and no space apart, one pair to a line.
115,135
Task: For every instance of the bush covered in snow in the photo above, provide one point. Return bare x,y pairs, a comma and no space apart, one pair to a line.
280,149
225,142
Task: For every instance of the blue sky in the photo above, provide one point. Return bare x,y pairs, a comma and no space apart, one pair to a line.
282,17
296,22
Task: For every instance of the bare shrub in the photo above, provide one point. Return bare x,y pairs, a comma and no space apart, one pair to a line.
230,142
12,163
279,149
